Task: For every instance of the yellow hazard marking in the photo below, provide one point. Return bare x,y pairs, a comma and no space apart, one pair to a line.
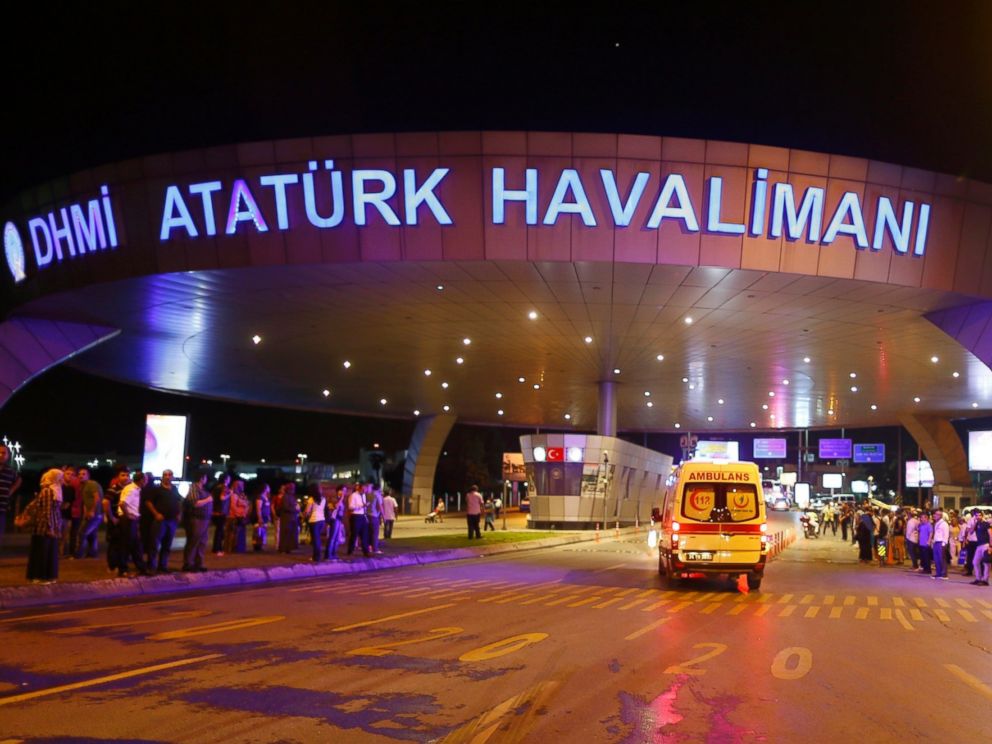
737,610
829,599
762,609
710,608
104,680
564,599
647,629
386,619
987,613
607,603
806,599
787,610
942,616
248,622
903,621
862,613
943,603
916,615
919,602
581,602
835,612
849,600
804,662
502,648
127,623
968,616
898,602
383,649
514,596
655,605
625,592
786,598
984,604
973,682
886,613
964,603
542,597
679,607
498,597
873,601
632,603
811,611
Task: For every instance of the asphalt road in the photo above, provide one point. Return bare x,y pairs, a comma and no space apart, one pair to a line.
576,643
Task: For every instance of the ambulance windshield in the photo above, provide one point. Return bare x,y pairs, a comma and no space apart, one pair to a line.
720,502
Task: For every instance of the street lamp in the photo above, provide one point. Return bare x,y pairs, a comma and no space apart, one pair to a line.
225,458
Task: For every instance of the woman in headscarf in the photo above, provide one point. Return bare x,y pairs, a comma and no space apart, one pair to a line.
43,559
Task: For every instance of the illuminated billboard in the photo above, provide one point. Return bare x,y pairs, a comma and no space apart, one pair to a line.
835,449
768,449
165,444
980,450
919,474
869,453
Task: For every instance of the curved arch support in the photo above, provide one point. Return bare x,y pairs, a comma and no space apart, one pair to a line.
421,462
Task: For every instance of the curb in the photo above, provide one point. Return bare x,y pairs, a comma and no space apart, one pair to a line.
19,597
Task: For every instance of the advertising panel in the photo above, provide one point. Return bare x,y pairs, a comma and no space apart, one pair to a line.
165,444
919,474
710,450
835,449
869,453
980,450
513,467
833,480
768,449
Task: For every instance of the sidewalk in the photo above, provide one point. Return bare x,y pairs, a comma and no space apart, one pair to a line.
88,579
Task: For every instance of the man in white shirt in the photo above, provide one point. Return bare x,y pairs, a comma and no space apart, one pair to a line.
473,512
941,534
389,507
913,539
130,513
359,522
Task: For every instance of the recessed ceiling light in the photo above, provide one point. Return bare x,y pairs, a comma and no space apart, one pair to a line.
521,379
853,375
916,399
445,408
752,424
256,339
427,372
588,339
688,320
692,386
874,407
568,417
416,411
771,393
709,418
440,287
532,315
537,386
854,388
616,370
956,374
660,357
444,386
806,359
499,412
346,364
772,416
499,395
764,406
383,401
467,341
678,425
685,379
974,405
326,393
650,404
647,393
785,382
934,359
459,360
720,401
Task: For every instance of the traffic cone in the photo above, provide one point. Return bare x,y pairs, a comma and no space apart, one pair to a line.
742,586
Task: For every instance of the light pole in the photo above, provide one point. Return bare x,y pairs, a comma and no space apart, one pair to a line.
225,458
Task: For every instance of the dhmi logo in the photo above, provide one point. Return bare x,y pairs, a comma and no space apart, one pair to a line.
14,250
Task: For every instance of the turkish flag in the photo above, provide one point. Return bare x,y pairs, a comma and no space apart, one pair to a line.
556,454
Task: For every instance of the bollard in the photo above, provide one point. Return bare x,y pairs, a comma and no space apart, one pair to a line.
597,531
616,532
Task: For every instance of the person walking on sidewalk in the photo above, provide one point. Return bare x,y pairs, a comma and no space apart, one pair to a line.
941,534
488,508
389,507
91,497
473,512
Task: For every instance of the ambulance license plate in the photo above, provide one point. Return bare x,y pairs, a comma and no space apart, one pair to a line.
696,556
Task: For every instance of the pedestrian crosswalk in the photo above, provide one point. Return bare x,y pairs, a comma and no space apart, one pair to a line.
907,612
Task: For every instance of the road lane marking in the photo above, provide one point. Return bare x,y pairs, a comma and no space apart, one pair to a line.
587,600
873,601
943,603
655,605
903,621
647,629
384,649
452,593
104,680
964,603
127,623
625,592
862,613
849,600
886,613
829,599
786,598
610,568
704,597
103,608
365,623
973,682
835,612
766,597
498,597
737,610
710,608
634,603
987,613
248,622
680,606
787,610
513,717
811,611
806,599
898,602
916,615
942,616
513,596
968,616
984,604
607,603
919,602
563,599
762,609
804,662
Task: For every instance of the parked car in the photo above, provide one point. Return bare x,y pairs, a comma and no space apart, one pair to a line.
525,504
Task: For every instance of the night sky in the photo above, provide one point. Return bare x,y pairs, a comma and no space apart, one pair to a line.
87,84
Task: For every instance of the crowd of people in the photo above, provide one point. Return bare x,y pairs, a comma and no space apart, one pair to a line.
141,517
932,540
